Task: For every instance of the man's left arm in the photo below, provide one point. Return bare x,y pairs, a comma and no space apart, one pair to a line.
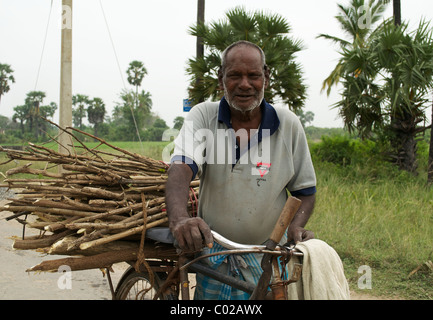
296,231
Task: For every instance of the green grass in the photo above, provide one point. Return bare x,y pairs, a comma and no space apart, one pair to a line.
386,224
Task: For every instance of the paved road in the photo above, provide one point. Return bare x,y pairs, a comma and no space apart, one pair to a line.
16,283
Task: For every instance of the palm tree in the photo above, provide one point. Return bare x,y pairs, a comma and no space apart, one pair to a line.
34,100
46,112
353,22
80,101
178,122
270,32
95,113
5,77
21,114
136,73
386,87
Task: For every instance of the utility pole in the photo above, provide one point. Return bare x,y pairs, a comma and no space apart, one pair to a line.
65,117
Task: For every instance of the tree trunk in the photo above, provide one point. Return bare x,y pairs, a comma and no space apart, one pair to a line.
200,45
397,12
404,143
200,19
430,156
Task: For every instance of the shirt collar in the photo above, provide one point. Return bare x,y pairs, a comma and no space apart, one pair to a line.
269,121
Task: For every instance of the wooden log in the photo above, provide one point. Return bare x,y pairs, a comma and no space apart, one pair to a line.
26,244
64,245
106,259
122,210
101,193
121,235
108,204
26,169
118,225
60,225
59,211
75,245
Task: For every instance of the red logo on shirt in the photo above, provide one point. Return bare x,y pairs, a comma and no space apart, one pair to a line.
263,168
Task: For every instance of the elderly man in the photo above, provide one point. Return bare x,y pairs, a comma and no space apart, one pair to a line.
248,156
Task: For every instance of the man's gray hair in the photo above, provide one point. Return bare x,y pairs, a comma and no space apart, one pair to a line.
237,44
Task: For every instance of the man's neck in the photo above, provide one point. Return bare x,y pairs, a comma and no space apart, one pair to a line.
248,118
249,121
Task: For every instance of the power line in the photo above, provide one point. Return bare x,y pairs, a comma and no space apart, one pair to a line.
43,46
120,71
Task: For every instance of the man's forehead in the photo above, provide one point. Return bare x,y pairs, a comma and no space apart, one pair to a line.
242,56
243,50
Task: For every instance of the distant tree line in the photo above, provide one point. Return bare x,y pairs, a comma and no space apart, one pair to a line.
132,118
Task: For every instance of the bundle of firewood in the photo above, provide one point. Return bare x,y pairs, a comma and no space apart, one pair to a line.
90,202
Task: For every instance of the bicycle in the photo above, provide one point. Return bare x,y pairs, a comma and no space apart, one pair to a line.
166,279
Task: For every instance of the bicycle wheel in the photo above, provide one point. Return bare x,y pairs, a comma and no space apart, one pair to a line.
138,286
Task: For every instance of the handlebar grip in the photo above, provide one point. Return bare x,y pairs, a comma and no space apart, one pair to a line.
290,208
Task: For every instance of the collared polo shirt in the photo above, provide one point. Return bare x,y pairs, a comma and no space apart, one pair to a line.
243,190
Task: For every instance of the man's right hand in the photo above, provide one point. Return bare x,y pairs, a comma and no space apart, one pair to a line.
191,234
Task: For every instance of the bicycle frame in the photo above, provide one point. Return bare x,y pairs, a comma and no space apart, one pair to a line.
178,271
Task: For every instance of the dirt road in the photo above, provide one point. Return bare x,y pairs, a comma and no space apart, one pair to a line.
16,283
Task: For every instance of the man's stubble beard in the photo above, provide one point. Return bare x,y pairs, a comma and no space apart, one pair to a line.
253,105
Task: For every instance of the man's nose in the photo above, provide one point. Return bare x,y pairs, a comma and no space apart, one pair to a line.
245,83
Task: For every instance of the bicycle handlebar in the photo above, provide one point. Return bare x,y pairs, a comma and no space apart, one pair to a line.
231,245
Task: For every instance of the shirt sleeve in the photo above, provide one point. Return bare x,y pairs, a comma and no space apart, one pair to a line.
303,181
187,147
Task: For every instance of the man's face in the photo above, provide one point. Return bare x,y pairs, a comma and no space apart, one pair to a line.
244,79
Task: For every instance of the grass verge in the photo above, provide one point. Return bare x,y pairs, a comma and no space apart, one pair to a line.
383,223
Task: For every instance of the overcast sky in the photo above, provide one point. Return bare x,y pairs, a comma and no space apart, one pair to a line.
156,33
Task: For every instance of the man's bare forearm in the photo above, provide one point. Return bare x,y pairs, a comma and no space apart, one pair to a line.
191,233
177,191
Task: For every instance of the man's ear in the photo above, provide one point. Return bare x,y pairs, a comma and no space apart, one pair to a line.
267,76
220,79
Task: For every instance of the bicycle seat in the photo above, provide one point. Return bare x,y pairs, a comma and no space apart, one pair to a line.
160,234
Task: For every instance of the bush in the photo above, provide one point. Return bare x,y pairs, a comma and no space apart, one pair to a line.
338,150
346,151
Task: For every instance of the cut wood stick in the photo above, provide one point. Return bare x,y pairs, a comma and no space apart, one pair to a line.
101,193
64,245
59,211
75,245
39,243
26,169
83,206
103,260
106,259
60,225
122,210
121,235
118,225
